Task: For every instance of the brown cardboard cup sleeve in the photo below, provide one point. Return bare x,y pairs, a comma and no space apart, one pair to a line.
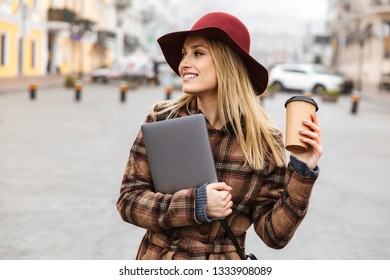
298,108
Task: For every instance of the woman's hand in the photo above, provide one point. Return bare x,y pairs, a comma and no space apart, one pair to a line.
311,137
219,200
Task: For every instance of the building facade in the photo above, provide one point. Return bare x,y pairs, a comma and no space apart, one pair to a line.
79,40
360,39
22,38
67,36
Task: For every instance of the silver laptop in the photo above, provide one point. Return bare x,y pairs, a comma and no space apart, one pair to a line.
179,153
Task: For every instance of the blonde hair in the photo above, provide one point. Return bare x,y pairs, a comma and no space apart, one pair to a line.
237,103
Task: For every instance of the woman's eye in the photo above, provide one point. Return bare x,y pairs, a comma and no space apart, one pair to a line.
196,53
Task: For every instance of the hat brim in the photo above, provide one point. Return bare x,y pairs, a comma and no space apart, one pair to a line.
171,45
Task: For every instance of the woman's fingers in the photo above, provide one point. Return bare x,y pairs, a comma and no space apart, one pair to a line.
313,125
219,186
219,200
311,135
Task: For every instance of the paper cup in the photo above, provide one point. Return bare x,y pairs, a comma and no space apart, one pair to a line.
298,108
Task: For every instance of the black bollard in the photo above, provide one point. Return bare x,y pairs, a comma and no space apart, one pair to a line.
77,90
355,103
123,89
32,87
168,91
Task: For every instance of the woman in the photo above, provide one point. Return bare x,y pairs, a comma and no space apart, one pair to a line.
222,81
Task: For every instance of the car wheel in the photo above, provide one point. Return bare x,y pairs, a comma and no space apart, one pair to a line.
317,89
277,86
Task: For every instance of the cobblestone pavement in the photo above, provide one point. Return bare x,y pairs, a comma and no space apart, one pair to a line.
61,164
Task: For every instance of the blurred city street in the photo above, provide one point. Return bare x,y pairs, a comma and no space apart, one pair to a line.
63,153
61,164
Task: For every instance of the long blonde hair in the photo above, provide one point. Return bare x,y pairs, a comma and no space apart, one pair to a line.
238,105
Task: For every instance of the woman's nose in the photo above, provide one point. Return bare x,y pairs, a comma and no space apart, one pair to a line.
184,60
184,63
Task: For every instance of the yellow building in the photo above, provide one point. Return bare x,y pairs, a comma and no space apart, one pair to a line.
75,44
22,38
55,36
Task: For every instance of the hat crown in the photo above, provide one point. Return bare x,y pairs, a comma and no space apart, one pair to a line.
227,23
222,27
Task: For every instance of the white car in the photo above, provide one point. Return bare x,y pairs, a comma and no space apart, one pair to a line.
304,77
135,66
139,66
106,74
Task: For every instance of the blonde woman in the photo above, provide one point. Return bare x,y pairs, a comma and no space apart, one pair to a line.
256,186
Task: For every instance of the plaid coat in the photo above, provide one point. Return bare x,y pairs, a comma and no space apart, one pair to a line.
274,199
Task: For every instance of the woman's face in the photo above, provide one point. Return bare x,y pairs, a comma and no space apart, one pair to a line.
197,69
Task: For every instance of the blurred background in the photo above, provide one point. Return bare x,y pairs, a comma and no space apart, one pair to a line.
77,38
77,79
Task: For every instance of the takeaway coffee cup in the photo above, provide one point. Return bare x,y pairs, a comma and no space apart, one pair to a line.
298,108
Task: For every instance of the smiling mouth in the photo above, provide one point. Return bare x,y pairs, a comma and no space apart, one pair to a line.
189,76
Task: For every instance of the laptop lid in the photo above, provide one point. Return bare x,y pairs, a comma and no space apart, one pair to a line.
179,153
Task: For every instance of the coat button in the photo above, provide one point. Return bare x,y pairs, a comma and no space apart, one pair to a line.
204,229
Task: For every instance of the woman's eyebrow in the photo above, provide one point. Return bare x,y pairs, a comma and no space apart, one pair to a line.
195,47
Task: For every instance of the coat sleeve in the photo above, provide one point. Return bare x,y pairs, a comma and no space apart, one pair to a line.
281,204
138,204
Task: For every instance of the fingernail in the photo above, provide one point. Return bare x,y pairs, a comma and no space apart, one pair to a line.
305,121
302,138
300,131
230,188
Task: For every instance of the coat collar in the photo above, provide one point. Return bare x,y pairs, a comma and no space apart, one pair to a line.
193,109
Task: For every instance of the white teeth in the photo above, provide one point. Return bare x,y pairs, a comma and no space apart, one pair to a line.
189,76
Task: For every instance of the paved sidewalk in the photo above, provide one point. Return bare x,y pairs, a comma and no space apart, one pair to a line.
21,84
372,93
61,163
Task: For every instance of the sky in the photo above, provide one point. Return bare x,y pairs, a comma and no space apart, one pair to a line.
274,25
306,10
294,10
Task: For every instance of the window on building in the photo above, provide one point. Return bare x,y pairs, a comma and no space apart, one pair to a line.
33,54
6,7
3,49
387,47
386,39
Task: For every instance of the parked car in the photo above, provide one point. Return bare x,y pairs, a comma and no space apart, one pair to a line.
135,66
304,77
105,74
139,66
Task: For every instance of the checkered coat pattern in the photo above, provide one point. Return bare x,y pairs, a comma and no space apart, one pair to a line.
275,200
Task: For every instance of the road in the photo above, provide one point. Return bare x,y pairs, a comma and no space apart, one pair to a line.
61,164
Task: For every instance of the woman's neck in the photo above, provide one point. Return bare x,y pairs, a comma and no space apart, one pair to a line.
209,106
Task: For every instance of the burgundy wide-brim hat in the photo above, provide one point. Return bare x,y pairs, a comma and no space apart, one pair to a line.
225,28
